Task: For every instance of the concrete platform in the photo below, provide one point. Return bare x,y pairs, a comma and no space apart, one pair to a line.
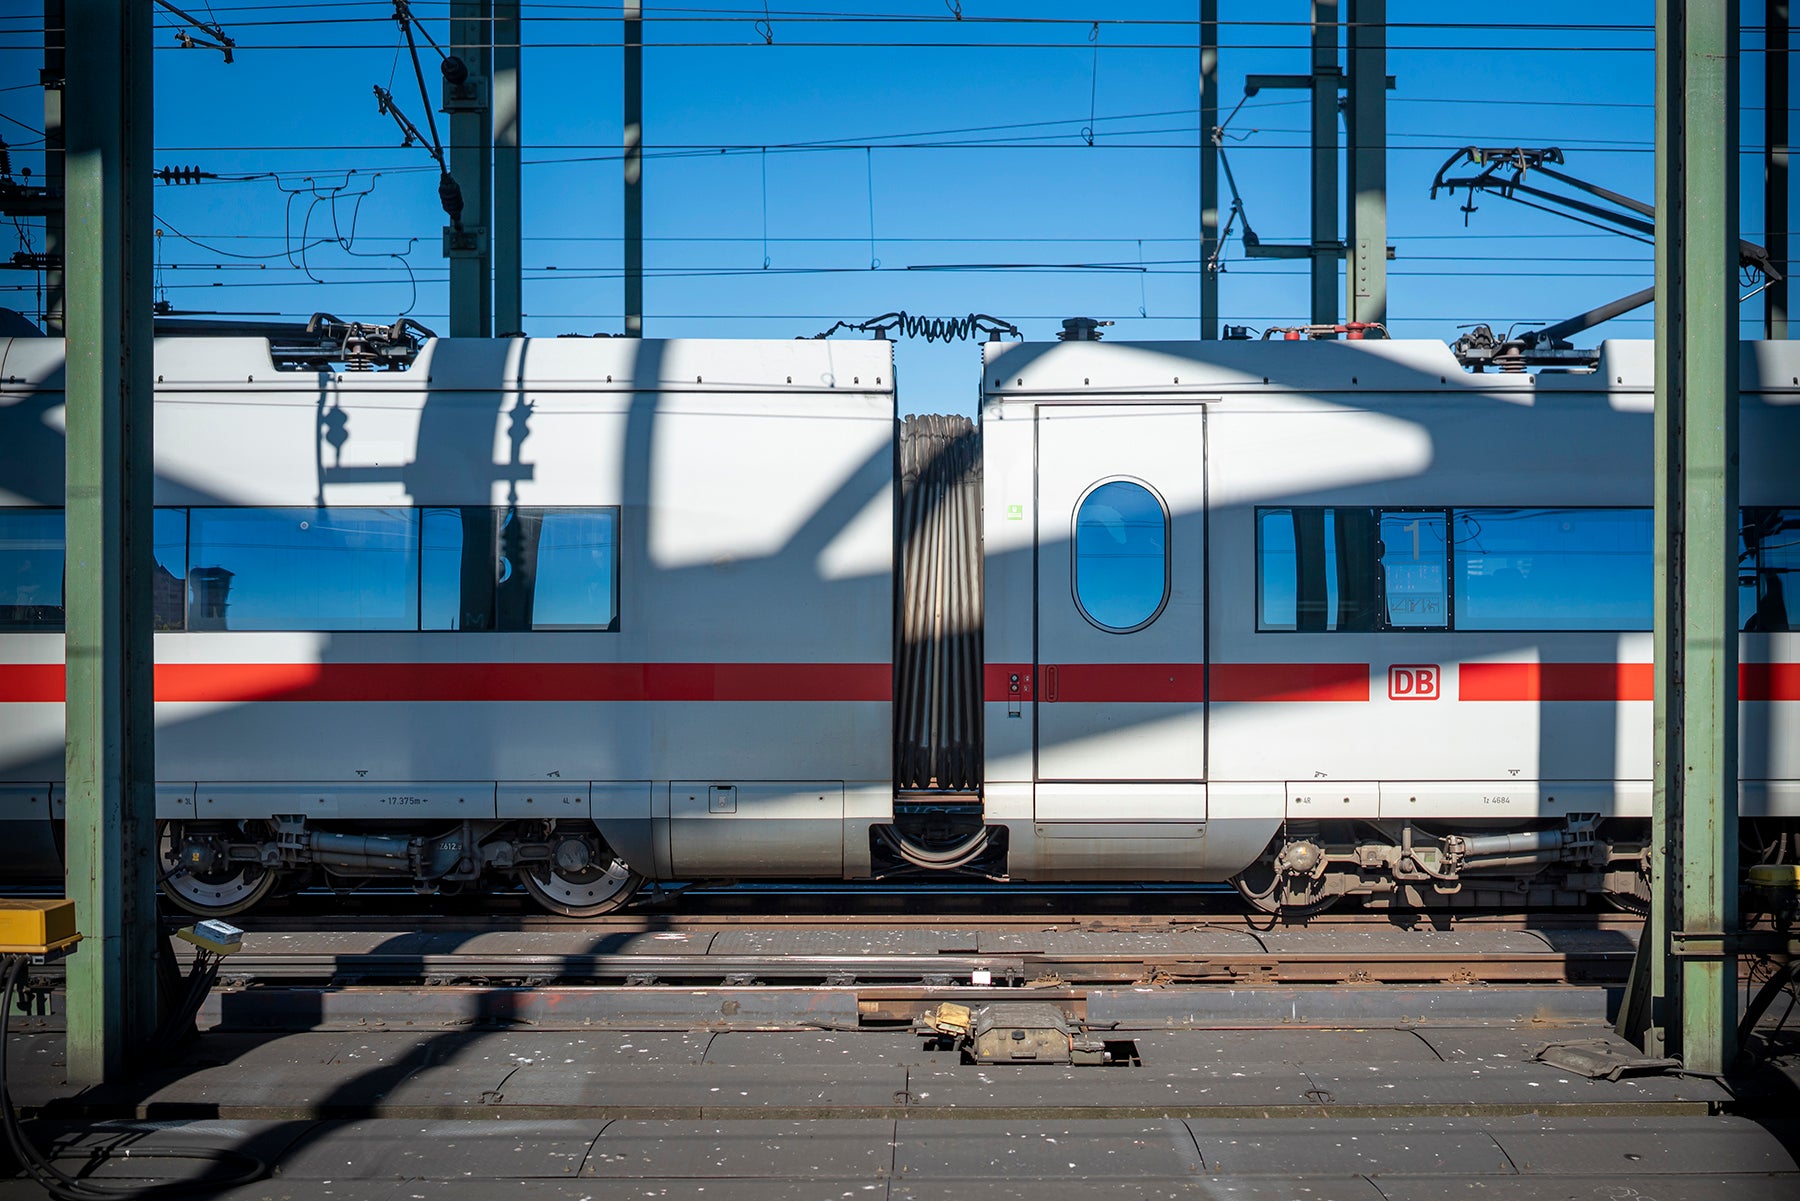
765,1103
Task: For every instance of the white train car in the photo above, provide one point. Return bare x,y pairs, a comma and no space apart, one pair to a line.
1340,617
581,611
1319,618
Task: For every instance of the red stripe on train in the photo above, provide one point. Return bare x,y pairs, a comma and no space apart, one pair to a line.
237,682
1769,681
1182,682
42,683
1607,682
1555,682
1290,681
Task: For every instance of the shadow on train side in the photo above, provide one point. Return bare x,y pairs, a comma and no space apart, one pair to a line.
457,436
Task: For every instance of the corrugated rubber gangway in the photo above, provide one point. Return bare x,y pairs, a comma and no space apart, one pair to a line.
937,711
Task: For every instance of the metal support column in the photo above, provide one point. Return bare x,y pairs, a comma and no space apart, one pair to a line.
1325,244
1209,168
471,159
1694,1000
634,168
509,284
1366,198
111,744
1775,164
55,27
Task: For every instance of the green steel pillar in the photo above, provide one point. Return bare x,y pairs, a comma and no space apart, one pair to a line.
111,768
471,158
1325,244
1694,1001
634,168
1366,207
509,316
1209,168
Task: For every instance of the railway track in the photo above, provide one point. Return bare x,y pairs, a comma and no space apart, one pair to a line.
1036,971
1007,952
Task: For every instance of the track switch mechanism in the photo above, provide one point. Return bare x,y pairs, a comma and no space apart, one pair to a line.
1014,1032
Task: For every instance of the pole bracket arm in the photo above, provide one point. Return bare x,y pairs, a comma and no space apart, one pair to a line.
1717,944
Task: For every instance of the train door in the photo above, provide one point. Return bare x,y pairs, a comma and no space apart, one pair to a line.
1121,662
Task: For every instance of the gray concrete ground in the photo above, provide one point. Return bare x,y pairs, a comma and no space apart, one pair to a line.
1249,1097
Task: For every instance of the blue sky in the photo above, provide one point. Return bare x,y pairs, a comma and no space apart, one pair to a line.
960,180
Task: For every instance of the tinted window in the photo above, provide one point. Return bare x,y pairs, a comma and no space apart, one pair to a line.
1121,556
1316,569
31,569
520,569
303,569
168,577
1554,569
1498,569
1415,570
1769,570
573,588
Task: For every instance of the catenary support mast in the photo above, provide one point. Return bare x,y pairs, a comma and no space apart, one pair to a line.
1694,988
55,39
1209,168
1366,206
634,169
1325,244
107,584
471,159
1775,164
509,304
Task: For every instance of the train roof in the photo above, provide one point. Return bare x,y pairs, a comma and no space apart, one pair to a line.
485,364
1011,369
1137,369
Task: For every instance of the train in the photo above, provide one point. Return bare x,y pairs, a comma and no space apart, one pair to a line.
1320,619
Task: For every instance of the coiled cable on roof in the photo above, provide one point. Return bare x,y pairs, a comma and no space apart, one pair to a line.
932,329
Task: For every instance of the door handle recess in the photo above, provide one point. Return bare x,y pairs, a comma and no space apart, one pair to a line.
1049,674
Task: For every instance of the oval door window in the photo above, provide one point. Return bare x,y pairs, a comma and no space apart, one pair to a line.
1121,556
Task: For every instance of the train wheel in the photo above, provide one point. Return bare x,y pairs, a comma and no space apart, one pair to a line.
199,879
583,878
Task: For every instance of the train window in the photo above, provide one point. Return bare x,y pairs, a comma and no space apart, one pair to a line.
576,579
1554,569
456,579
303,569
1769,570
31,569
1121,559
1415,569
520,569
168,574
1315,569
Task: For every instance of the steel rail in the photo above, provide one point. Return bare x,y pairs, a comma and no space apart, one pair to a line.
1017,971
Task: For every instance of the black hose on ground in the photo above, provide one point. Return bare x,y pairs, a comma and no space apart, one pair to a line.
41,1167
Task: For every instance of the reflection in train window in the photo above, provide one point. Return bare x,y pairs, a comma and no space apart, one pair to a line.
303,569
1554,569
1769,570
520,569
31,569
1508,568
575,581
168,574
1316,569
1121,558
1415,570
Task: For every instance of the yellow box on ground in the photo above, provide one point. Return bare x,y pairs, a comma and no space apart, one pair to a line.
36,926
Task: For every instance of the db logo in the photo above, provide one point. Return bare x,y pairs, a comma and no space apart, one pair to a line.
1413,682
